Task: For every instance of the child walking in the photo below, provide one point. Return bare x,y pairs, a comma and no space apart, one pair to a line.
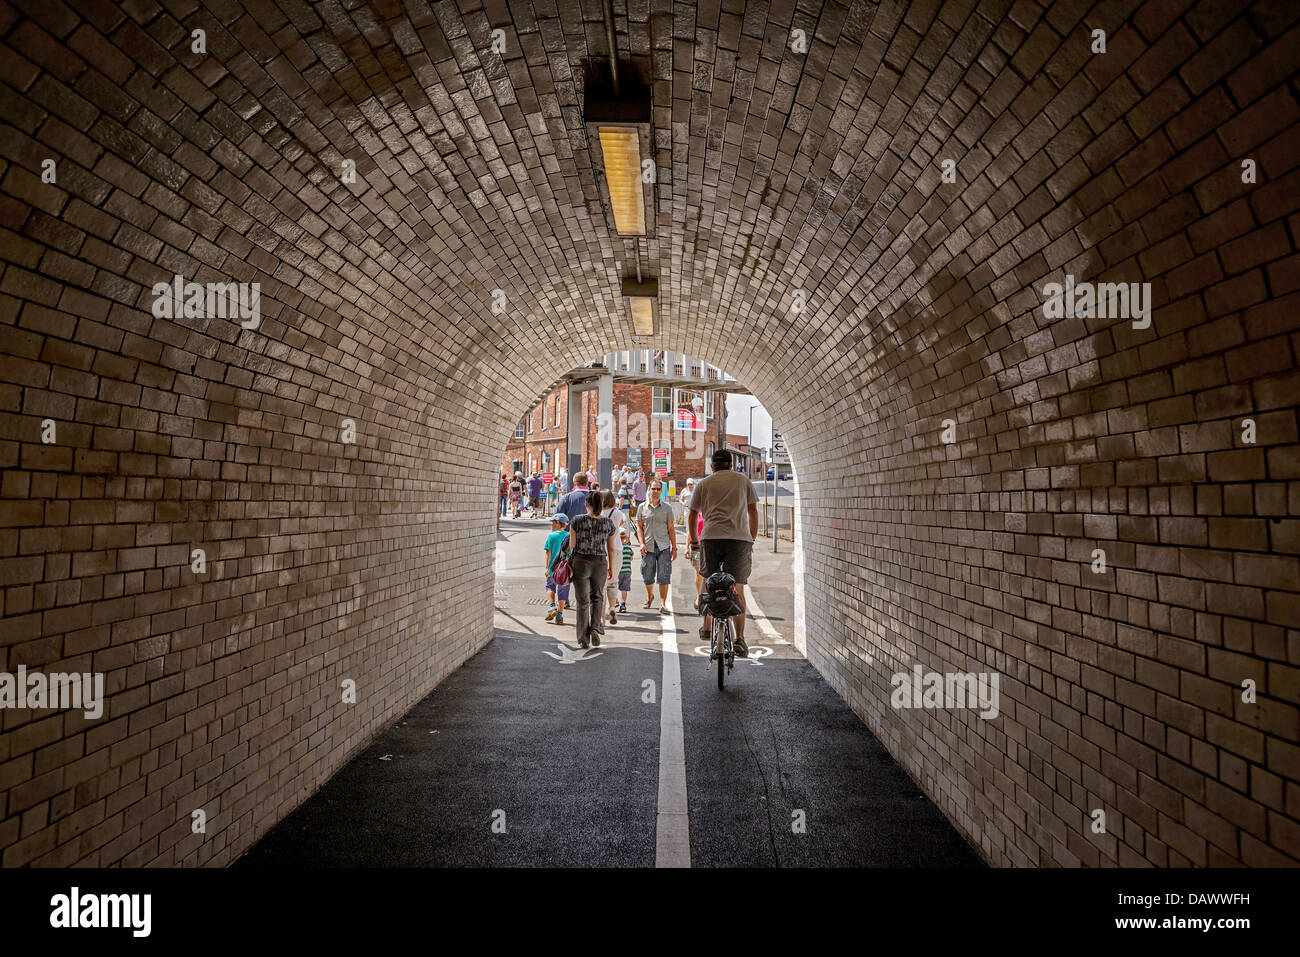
625,572
554,545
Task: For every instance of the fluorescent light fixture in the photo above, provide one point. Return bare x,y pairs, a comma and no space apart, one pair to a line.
618,134
642,303
621,148
643,316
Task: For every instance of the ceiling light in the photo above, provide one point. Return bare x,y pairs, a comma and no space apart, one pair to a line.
618,134
643,316
642,303
622,152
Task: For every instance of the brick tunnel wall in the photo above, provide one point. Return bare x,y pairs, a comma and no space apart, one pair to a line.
1122,690
372,560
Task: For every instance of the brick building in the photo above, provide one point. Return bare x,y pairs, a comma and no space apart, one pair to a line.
743,458
540,441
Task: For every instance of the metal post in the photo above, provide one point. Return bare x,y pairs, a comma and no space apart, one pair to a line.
767,515
575,430
605,431
776,497
613,49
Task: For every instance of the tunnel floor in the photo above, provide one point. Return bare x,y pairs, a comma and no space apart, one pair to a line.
534,753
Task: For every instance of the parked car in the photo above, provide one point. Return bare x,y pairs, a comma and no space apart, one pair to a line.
771,473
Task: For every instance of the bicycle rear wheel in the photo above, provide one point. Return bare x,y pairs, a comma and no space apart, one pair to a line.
720,642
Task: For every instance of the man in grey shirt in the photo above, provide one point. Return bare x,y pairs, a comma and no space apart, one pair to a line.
658,541
729,504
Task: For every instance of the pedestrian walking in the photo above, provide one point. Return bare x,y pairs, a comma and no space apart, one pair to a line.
625,571
611,511
693,554
574,503
657,539
685,499
535,494
591,544
516,493
558,595
638,492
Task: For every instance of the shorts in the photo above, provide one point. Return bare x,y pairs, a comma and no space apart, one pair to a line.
624,581
534,500
730,555
561,591
657,565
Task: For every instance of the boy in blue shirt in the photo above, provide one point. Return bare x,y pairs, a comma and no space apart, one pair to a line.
554,545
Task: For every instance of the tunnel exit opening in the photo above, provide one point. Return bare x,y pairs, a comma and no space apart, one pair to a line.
625,420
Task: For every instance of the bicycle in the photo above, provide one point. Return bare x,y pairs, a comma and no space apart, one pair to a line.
719,600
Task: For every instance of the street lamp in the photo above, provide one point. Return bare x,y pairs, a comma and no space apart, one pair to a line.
751,432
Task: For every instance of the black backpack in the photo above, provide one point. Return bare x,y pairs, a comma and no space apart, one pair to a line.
719,597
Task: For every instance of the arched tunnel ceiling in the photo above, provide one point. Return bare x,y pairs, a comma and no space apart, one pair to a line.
777,170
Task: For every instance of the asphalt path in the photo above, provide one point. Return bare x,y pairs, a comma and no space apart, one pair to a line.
536,753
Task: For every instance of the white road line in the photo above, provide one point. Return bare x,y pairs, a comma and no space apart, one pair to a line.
755,614
672,825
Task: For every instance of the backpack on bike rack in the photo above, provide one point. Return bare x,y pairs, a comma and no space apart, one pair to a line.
719,598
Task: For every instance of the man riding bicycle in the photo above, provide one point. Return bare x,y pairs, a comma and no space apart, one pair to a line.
729,504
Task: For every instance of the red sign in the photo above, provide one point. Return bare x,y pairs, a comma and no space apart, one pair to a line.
661,453
661,471
548,478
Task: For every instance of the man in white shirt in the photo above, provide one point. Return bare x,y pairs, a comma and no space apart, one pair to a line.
729,504
685,499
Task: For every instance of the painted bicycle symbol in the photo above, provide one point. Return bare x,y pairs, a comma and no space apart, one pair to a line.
755,652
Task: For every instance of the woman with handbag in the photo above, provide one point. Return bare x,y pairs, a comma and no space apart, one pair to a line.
591,550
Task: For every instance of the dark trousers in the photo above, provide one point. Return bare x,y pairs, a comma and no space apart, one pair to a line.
589,594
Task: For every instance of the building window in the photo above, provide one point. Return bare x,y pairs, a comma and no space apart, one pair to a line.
662,401
708,451
530,423
519,431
